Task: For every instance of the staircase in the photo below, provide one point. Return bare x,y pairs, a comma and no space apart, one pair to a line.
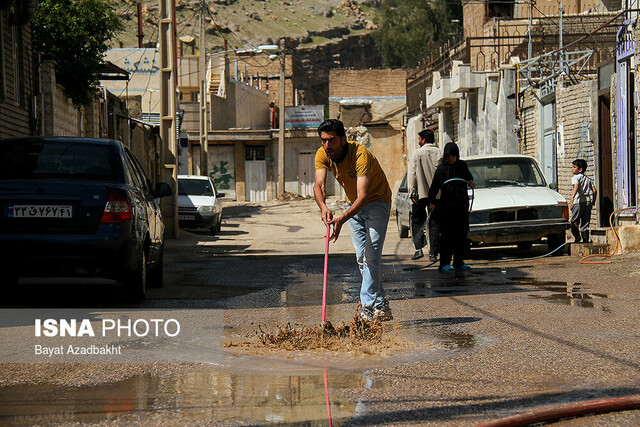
599,243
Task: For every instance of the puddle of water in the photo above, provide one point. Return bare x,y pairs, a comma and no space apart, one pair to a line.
203,395
565,293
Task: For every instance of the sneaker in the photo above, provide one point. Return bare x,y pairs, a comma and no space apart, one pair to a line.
463,267
417,255
433,257
383,314
446,269
367,314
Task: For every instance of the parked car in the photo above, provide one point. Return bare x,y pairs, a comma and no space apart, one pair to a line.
403,209
79,207
512,204
199,203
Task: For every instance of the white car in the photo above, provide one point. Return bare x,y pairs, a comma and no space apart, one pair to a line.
512,204
199,203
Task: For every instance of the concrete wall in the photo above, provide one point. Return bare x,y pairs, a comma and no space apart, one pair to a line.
59,117
486,117
244,107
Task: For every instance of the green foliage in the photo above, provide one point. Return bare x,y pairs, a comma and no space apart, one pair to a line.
408,28
74,33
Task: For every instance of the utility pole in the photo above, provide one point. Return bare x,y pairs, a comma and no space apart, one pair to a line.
140,34
561,53
530,45
280,189
168,108
294,94
204,131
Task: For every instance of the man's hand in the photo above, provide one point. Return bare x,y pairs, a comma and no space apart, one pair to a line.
414,198
432,207
337,226
327,216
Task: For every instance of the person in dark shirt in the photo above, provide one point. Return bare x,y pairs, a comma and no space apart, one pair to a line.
453,210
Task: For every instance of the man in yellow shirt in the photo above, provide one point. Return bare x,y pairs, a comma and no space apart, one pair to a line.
369,202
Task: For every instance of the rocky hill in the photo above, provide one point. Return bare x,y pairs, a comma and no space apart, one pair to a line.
249,23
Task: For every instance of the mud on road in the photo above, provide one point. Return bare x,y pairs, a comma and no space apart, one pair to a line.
505,338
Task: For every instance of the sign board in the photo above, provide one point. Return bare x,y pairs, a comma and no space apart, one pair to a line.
303,116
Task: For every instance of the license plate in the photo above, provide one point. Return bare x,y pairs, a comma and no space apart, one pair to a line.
40,211
187,217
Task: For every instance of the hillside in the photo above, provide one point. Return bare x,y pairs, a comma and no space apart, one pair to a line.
249,23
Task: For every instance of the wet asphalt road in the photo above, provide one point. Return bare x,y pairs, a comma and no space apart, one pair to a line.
505,338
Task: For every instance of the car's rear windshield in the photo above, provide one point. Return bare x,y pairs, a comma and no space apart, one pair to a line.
501,171
56,159
194,187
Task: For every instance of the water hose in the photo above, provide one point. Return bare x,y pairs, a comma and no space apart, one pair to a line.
473,193
582,261
580,409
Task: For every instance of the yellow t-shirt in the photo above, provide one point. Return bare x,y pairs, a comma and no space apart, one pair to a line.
358,162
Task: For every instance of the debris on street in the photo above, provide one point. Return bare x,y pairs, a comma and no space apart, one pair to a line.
359,336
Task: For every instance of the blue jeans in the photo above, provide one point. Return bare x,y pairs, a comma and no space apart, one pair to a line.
368,230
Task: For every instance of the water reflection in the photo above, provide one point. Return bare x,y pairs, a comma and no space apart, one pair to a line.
565,293
196,396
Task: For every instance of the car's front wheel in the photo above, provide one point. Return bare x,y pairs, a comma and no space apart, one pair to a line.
554,241
156,274
402,230
136,281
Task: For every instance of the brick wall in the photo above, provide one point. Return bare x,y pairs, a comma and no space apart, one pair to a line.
577,131
530,124
15,90
363,83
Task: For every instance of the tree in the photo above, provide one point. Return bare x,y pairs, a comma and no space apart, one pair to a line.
74,33
408,28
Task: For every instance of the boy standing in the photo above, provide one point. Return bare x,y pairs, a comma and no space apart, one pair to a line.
583,198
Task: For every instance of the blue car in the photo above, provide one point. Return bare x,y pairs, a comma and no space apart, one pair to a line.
79,207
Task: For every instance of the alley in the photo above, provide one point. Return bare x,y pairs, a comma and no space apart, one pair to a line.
513,334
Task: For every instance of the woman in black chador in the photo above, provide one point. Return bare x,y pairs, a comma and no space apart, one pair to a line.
453,207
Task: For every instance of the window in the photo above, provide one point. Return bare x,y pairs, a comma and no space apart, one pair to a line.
64,159
254,152
499,8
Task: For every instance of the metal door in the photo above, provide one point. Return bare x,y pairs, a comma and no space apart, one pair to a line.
548,149
256,180
306,173
605,189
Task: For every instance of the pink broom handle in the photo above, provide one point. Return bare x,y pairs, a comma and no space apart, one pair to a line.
324,282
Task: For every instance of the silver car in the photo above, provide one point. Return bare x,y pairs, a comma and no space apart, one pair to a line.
403,209
199,203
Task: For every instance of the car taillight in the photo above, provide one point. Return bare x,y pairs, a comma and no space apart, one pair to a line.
565,212
117,208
